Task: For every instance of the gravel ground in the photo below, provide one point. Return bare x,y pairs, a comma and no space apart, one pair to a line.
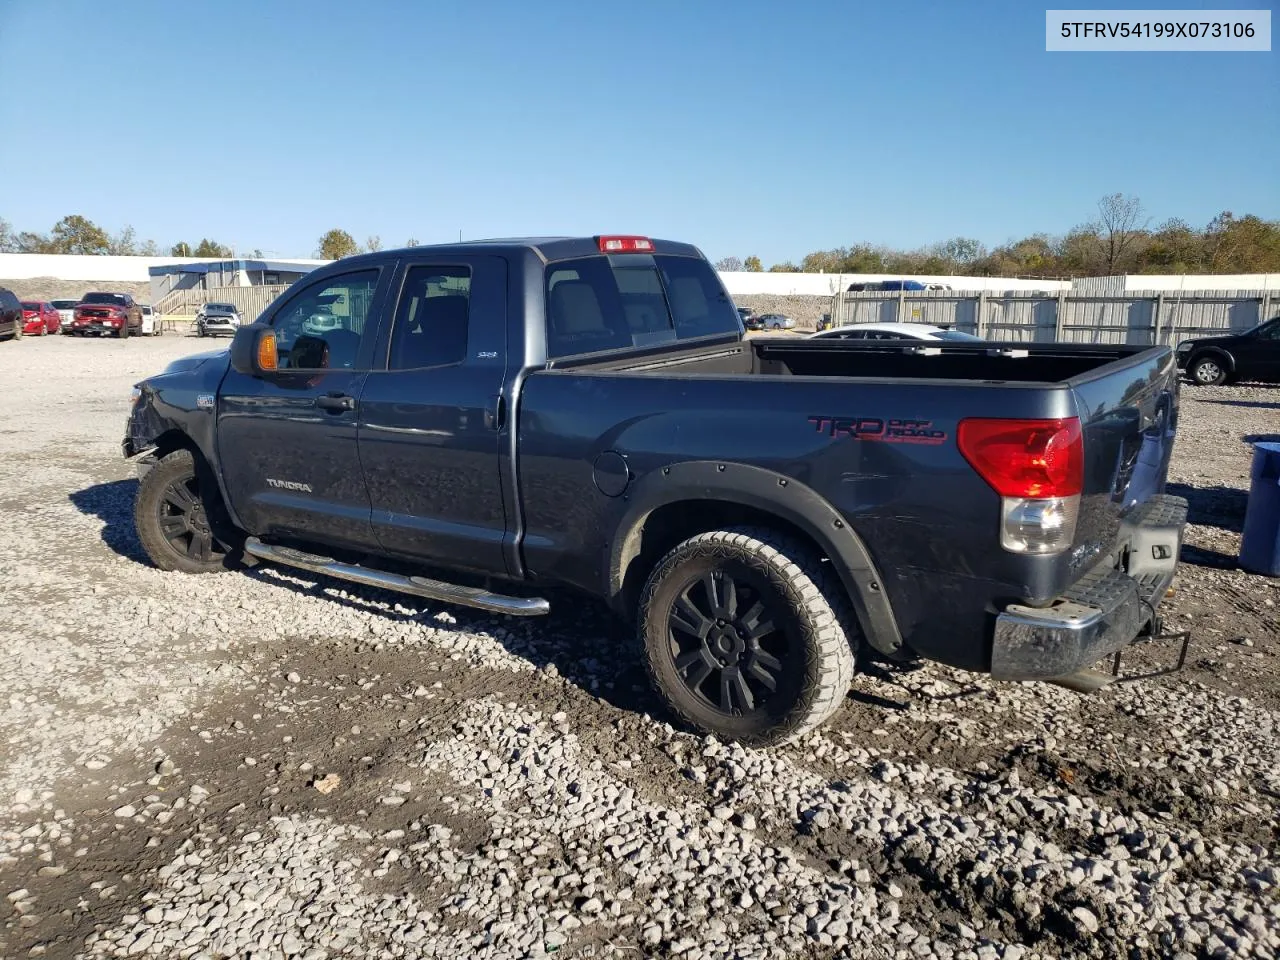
258,764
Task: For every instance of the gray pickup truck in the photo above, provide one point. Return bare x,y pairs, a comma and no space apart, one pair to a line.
475,422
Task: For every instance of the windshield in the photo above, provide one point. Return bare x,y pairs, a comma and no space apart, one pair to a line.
220,307
28,305
615,303
956,335
116,298
64,304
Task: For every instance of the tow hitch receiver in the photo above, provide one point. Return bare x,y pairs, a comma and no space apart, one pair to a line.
1154,634
1091,681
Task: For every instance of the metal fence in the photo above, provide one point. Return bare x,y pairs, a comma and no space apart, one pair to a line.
250,301
1135,318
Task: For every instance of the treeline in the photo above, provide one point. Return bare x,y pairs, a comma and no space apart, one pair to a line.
76,234
1121,240
336,244
79,235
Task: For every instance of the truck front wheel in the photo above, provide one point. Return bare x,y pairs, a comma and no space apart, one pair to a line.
743,636
172,516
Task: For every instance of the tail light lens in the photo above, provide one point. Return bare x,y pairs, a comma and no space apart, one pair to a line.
1037,467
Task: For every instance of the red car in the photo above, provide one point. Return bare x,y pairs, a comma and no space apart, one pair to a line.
39,318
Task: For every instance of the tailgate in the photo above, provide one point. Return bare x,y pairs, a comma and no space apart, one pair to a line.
1129,412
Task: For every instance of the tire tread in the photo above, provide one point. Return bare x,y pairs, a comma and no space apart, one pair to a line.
153,543
827,619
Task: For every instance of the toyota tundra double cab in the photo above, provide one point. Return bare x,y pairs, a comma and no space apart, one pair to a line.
477,423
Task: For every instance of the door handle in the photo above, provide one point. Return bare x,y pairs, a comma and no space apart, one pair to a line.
495,412
336,402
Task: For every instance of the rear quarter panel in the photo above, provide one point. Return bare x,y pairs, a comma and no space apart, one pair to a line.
929,522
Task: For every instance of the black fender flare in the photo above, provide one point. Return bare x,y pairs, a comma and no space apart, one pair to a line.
156,419
786,498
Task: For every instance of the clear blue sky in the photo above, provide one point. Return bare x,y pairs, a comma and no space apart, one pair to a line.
750,127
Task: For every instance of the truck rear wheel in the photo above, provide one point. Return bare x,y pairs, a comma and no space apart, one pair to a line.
172,516
743,636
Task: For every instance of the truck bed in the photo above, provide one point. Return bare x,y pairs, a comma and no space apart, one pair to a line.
1014,362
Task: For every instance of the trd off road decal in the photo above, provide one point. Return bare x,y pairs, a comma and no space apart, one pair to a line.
879,430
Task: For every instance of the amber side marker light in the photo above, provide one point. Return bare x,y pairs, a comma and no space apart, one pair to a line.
267,356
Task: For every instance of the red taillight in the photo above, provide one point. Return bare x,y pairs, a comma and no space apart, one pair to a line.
1033,459
625,244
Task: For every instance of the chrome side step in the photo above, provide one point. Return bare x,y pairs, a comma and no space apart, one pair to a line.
415,586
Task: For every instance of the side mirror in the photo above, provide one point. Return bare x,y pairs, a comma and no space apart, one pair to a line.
253,350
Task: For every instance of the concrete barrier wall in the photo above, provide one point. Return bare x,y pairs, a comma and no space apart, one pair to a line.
829,284
1222,281
26,266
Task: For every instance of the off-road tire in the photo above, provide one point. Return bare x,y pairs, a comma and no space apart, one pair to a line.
799,592
1207,370
123,332
157,496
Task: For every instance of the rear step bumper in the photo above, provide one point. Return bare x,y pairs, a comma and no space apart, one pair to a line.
414,586
1104,611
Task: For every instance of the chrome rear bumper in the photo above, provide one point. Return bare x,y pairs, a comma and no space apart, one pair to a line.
1104,611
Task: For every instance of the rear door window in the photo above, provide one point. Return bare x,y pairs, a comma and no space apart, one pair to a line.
615,303
431,322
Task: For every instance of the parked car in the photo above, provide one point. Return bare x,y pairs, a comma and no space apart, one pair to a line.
998,511
776,321
39,318
150,321
11,319
215,318
894,285
750,321
103,314
893,331
66,313
1252,355
323,320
